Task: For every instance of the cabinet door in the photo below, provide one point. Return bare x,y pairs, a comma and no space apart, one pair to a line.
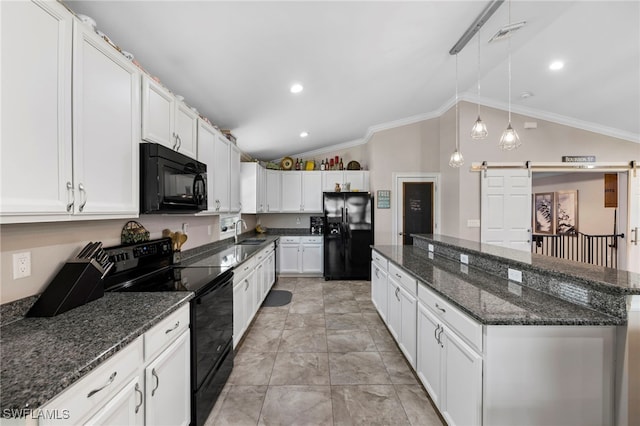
106,127
250,187
291,192
260,283
312,192
429,353
125,408
239,317
186,130
206,155
394,308
36,109
462,387
220,198
379,290
329,180
168,385
249,297
261,189
273,189
358,179
312,258
270,272
408,325
288,256
234,178
157,114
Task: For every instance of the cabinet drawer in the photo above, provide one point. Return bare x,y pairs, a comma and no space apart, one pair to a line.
244,268
290,240
468,329
311,240
382,262
162,334
407,281
93,391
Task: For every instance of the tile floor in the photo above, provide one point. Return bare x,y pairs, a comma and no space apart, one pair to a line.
324,359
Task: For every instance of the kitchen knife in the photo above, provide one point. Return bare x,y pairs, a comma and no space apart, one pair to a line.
84,250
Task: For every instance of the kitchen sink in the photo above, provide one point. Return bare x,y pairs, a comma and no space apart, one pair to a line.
251,242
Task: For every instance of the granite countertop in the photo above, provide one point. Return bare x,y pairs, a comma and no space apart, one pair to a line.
489,299
40,357
610,280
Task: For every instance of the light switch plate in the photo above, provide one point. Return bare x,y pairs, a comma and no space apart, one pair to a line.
515,275
473,223
464,269
464,259
515,289
430,247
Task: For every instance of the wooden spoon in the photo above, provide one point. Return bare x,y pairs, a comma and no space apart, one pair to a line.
182,239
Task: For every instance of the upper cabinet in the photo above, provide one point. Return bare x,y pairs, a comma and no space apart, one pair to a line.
358,180
252,188
167,121
223,169
97,175
301,192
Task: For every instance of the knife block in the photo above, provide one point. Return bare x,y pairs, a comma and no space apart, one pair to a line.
77,283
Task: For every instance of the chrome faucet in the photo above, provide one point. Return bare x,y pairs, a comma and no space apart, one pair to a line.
239,221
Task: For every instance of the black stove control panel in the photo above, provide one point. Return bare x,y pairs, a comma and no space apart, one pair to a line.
134,256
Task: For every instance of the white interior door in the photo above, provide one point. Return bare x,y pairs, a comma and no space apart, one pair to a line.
633,247
506,208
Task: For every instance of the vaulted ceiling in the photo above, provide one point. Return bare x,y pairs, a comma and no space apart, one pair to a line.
367,64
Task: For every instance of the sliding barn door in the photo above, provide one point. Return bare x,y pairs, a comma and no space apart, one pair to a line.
633,248
506,208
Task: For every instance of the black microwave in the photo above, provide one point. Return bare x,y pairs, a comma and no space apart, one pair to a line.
171,182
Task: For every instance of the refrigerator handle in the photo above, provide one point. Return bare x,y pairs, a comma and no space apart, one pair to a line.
346,216
341,214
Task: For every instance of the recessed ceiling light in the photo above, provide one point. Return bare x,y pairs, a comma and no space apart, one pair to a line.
556,65
296,88
304,134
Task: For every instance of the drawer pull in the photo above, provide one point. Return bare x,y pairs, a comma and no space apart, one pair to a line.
174,327
440,308
154,374
141,398
435,333
398,275
377,273
246,285
397,290
439,339
111,379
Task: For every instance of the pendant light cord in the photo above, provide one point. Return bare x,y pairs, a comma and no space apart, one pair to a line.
509,63
478,73
457,142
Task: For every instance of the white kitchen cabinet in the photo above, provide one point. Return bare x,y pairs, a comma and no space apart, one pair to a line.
244,300
270,271
105,150
220,202
36,88
429,353
125,408
301,255
96,176
401,318
379,289
252,188
168,385
167,121
301,192
273,190
357,179
235,204
206,154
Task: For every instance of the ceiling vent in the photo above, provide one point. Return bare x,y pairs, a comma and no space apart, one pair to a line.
506,31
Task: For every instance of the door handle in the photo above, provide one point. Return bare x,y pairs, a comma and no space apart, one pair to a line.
72,198
154,374
439,339
397,290
435,333
175,139
635,233
141,398
82,190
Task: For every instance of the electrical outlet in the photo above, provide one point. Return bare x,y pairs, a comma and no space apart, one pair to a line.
515,275
431,247
464,259
21,265
185,228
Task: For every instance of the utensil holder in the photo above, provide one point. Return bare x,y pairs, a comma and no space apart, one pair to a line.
77,283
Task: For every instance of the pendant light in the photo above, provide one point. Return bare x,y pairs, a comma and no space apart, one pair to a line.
479,129
456,159
510,139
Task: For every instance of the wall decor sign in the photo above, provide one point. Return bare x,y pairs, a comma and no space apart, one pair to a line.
544,213
384,199
578,158
567,212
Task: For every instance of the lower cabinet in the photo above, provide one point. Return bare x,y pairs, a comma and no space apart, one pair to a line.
379,289
301,255
164,376
146,383
401,318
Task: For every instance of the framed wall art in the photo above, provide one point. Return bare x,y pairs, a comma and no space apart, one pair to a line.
566,212
544,213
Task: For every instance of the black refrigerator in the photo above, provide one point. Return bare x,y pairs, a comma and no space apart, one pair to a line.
348,235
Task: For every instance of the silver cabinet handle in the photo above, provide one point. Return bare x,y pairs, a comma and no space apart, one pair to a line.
440,308
178,142
635,233
246,284
173,328
397,290
72,197
82,190
111,379
377,273
435,333
175,139
154,374
141,398
439,339
399,276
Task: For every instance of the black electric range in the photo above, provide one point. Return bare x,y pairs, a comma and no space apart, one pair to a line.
148,267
